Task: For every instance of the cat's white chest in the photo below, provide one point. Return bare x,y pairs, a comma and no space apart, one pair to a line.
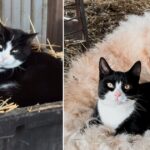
113,116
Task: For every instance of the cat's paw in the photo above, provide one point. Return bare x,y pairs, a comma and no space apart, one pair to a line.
89,124
82,130
95,122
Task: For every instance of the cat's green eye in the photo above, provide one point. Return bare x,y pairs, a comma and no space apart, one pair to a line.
15,51
110,85
127,86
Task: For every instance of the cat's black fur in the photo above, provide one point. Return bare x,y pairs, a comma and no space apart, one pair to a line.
38,79
139,121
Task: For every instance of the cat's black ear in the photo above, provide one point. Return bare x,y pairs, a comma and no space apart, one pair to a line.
136,69
31,36
1,25
2,28
104,68
28,37
3,31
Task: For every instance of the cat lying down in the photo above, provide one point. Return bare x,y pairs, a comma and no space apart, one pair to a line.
27,77
123,103
130,42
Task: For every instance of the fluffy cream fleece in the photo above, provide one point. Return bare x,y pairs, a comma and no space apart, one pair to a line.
127,44
101,138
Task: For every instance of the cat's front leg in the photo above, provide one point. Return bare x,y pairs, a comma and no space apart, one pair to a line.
90,123
121,130
130,127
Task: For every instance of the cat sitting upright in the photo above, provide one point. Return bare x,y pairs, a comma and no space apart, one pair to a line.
27,77
123,103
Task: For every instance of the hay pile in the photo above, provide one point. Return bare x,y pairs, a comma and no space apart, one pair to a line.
6,106
102,17
42,47
48,48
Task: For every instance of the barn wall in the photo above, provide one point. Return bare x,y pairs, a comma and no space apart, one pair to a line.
46,16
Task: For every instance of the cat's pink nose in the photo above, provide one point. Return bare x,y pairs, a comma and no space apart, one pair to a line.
117,94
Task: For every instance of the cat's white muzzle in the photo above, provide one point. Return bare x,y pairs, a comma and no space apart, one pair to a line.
7,60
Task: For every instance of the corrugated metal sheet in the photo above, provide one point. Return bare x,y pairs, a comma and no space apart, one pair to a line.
16,14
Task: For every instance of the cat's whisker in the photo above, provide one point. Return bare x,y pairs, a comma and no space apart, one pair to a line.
11,73
137,112
22,68
140,107
135,96
12,38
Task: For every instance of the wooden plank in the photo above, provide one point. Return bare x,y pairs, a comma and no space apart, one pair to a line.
16,8
44,21
25,14
37,16
1,10
38,130
55,22
6,12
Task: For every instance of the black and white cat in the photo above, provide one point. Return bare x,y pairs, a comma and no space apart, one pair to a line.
28,77
123,103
